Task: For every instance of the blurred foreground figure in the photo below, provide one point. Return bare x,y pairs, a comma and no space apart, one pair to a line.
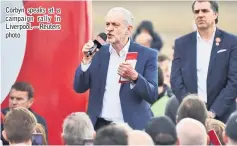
19,126
230,136
145,35
191,132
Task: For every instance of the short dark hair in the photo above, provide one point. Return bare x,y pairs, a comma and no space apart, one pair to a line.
231,127
160,77
214,6
19,124
111,135
192,107
25,87
162,130
162,57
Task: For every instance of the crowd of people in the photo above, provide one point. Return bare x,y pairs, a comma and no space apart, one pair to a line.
185,100
190,128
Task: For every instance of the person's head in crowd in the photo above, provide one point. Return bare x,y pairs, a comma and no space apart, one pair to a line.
77,128
191,132
146,35
162,131
111,135
217,126
205,13
145,26
165,65
21,95
172,108
163,84
192,107
160,80
19,125
137,137
119,25
41,130
230,136
164,62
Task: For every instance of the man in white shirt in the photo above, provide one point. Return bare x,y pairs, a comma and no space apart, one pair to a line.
205,63
109,100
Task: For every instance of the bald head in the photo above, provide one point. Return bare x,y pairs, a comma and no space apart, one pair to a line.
191,132
137,137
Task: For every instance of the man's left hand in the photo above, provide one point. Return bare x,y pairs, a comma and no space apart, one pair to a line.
126,70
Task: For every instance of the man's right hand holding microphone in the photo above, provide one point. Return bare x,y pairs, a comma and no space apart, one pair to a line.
91,47
86,48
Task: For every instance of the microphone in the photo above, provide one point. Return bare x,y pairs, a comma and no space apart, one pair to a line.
98,42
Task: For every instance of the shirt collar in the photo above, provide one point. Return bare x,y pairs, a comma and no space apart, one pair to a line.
212,38
123,52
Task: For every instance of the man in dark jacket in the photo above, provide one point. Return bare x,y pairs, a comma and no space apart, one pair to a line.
21,95
205,63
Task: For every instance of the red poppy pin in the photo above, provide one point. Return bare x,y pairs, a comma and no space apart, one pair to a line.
218,40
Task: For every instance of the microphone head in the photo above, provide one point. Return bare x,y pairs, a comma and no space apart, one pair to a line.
98,42
103,36
100,39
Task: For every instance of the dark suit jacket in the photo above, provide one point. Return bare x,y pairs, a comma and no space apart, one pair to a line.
135,102
222,72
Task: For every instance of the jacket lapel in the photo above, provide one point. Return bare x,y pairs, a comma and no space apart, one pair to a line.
192,56
105,57
214,50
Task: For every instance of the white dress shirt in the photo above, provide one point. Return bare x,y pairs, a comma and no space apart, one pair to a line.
203,57
111,108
